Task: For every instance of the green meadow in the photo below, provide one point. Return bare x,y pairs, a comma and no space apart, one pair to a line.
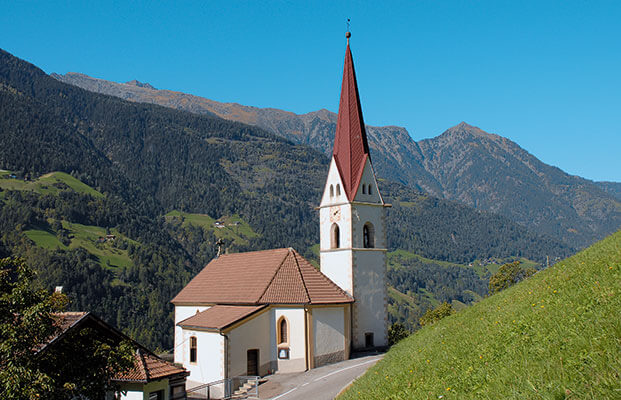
556,335
232,228
51,183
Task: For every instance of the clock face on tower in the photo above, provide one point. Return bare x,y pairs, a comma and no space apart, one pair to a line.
335,214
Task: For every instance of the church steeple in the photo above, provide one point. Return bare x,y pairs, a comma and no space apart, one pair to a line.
351,149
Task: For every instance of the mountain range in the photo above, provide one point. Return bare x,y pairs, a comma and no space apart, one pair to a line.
465,164
76,166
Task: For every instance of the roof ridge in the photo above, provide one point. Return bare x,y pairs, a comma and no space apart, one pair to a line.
300,272
143,364
275,273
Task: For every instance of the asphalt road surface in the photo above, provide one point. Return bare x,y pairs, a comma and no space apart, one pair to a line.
322,383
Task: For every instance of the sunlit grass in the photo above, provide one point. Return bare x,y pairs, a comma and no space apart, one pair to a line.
556,335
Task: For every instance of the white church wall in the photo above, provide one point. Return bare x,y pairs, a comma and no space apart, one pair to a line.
296,340
373,214
329,335
209,365
255,333
333,180
368,179
370,310
335,265
181,313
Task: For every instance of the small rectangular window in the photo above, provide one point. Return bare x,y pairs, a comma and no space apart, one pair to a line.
193,348
368,339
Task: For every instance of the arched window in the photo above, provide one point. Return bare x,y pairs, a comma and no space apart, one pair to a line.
364,189
193,349
368,236
369,190
338,189
283,330
335,237
331,191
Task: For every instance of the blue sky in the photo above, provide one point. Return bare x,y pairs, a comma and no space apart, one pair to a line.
546,74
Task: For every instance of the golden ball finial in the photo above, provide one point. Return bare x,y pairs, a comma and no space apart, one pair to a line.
348,34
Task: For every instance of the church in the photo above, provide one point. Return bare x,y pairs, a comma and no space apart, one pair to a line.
269,311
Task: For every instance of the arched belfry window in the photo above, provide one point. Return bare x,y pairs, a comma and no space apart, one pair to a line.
335,237
369,190
331,191
193,349
283,330
338,189
364,189
368,236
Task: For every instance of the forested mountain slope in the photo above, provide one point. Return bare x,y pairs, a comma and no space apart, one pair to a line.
466,164
141,162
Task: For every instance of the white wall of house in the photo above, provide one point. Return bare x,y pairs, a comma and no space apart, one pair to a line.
209,365
255,333
140,391
329,334
181,313
296,340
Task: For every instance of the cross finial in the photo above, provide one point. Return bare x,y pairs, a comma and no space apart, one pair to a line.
348,33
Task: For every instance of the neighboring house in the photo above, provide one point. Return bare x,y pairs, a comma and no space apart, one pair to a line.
271,311
151,378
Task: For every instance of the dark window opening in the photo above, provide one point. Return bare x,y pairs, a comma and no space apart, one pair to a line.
335,237
368,236
193,349
368,339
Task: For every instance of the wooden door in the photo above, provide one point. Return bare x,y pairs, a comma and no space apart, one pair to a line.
253,362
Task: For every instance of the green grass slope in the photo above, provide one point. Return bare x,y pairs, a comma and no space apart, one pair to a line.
556,335
51,183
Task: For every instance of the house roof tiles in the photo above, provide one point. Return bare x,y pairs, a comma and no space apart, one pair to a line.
219,317
280,276
148,367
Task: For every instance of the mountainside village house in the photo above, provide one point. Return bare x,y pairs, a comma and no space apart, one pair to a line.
271,311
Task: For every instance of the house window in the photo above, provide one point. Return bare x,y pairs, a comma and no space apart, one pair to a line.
193,348
335,237
368,236
159,395
331,191
283,330
338,189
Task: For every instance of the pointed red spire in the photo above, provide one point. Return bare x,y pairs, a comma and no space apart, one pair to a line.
351,149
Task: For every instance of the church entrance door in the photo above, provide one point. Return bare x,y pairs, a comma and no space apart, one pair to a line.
253,362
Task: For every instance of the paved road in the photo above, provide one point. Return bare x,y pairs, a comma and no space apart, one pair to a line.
322,383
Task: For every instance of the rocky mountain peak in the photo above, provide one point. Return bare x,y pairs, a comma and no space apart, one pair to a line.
137,83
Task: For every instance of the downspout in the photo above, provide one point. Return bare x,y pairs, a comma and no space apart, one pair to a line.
306,337
226,355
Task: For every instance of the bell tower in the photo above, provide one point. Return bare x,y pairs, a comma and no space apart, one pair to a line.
352,220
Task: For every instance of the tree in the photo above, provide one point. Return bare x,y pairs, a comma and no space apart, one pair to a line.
397,332
26,321
508,275
81,366
434,315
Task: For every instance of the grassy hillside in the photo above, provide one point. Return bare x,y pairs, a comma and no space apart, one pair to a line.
51,183
556,335
231,229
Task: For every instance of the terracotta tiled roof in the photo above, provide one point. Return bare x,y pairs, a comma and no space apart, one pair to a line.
219,317
351,149
280,276
64,321
148,367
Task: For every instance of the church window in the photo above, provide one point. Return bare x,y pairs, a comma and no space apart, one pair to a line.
338,189
369,190
193,349
283,331
335,237
368,236
368,339
364,189
331,191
